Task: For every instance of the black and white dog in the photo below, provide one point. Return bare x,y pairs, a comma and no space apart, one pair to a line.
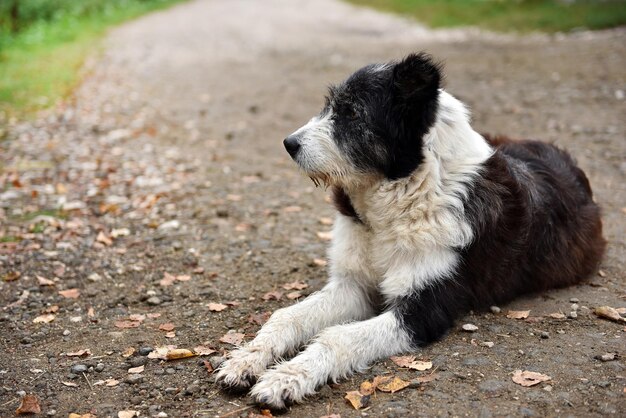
434,220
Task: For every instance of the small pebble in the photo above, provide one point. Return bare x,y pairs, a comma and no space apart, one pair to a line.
495,309
137,361
51,412
99,367
469,327
574,306
162,415
171,390
66,332
21,393
79,368
216,361
134,379
154,301
572,315
606,357
545,335
487,344
170,370
144,351
574,300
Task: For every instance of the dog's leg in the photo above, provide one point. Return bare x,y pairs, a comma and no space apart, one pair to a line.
336,352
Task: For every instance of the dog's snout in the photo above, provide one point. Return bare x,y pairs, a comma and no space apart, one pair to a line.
292,145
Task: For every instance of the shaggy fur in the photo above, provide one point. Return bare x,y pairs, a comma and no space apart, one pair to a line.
433,220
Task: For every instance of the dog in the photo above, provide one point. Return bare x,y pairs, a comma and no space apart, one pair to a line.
434,220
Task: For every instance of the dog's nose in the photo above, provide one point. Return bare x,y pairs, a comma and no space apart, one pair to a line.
292,145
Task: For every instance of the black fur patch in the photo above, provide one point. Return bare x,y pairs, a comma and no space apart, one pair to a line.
381,113
536,227
343,204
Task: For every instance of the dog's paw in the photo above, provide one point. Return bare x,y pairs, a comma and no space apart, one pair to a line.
242,369
282,386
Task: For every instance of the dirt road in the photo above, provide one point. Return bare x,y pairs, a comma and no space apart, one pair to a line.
169,160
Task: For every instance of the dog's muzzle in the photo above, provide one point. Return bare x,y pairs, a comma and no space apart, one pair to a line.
292,145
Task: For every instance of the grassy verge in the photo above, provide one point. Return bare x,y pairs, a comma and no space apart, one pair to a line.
510,15
40,62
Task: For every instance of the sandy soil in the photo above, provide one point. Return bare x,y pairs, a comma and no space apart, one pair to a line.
169,160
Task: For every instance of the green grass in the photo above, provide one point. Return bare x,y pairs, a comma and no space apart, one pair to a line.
510,15
41,54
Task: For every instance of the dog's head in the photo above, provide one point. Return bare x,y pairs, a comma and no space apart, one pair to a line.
372,125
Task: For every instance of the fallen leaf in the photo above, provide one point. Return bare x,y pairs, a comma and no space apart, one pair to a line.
217,307
183,278
294,295
127,324
168,326
410,363
202,350
198,270
295,286
137,317
393,386
259,318
621,311
367,388
128,352
91,313
557,315
325,236
44,282
274,295
87,415
80,353
518,314
112,382
609,313
11,276
44,319
167,280
379,380
127,414
136,370
70,384
526,378
331,416
29,405
161,352
104,238
154,315
70,293
357,400
208,366
51,309
233,338
178,353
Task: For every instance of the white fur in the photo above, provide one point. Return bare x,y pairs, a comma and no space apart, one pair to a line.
411,227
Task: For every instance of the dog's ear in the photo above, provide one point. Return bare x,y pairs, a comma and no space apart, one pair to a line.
417,77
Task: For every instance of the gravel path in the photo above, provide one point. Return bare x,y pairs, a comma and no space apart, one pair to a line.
162,186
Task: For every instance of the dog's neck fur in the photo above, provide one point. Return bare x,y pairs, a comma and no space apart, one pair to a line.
434,192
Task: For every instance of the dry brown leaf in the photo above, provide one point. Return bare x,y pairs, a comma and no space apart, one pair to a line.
557,315
44,282
127,414
217,307
294,295
167,280
70,293
70,384
274,295
526,378
128,352
259,318
11,276
91,313
183,278
357,400
154,315
161,352
168,326
29,405
410,363
44,319
518,314
202,350
379,380
295,286
112,382
393,386
178,353
127,324
136,370
104,238
233,338
51,309
87,415
208,366
325,236
80,353
137,317
608,312
331,416
367,388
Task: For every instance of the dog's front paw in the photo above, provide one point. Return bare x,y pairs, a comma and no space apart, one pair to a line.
242,369
282,386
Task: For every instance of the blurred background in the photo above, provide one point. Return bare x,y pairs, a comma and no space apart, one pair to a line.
44,42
